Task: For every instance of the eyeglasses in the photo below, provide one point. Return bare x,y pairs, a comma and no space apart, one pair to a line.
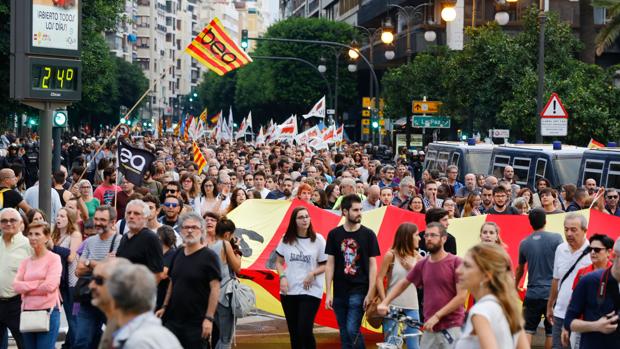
171,204
10,220
190,227
612,197
170,190
98,280
432,235
597,249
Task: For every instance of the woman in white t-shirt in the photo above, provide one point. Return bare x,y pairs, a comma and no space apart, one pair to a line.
301,281
495,320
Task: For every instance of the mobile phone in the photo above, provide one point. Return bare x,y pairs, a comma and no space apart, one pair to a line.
447,336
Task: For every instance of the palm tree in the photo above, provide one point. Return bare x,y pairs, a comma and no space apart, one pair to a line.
609,33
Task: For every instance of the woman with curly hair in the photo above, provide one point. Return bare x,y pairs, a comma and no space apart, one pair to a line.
237,197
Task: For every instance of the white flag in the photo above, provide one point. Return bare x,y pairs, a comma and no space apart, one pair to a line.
318,110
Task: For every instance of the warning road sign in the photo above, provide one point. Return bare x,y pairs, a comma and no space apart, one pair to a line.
554,108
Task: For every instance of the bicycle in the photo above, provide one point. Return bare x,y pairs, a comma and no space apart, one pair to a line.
401,319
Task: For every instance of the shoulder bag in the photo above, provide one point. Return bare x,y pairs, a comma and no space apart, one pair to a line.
82,290
34,320
242,297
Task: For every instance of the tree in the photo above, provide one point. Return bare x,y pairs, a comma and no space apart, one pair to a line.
609,33
217,92
277,89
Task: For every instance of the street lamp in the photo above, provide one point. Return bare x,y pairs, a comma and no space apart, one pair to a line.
389,53
352,68
354,51
387,32
322,68
448,13
430,35
502,18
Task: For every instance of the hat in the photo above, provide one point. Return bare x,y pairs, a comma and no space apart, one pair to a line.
421,152
414,152
13,146
88,141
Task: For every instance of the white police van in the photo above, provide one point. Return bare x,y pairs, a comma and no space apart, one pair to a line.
603,165
556,162
468,157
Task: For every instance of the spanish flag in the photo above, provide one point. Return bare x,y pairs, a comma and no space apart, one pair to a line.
214,48
198,158
595,145
213,120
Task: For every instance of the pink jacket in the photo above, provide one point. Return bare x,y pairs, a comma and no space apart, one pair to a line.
38,280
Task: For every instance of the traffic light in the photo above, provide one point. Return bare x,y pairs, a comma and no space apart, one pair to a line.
32,121
60,118
374,122
244,39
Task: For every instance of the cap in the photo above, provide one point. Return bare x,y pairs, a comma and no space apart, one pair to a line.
421,152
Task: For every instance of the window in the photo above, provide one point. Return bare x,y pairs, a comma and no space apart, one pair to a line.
593,169
499,162
442,162
541,169
455,159
346,5
613,175
431,158
522,170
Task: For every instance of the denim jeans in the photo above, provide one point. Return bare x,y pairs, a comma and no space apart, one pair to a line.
349,312
44,340
67,306
556,333
88,331
390,328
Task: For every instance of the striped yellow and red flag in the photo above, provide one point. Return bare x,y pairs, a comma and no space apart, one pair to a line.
203,117
595,144
213,120
198,158
176,130
188,122
214,48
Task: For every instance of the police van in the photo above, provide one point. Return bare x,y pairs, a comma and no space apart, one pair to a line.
603,165
556,162
468,157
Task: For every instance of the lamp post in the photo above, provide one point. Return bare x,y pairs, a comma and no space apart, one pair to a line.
371,34
410,12
541,68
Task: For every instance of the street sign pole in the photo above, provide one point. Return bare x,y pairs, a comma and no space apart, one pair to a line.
45,158
56,131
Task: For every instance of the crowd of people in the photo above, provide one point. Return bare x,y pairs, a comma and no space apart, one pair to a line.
154,262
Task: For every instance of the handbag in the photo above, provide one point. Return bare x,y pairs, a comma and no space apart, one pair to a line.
82,290
373,317
242,297
34,321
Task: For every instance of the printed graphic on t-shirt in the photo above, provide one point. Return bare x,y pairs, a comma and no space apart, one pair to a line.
108,197
349,248
300,257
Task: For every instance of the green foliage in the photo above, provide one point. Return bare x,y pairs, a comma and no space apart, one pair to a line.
275,88
493,81
609,33
217,92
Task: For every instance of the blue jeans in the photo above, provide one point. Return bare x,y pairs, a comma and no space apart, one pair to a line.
88,331
349,312
390,328
67,305
44,340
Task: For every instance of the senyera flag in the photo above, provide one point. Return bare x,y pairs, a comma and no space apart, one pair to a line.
214,48
262,223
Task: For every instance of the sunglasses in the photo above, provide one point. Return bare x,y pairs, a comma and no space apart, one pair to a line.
171,204
171,190
98,280
612,196
597,249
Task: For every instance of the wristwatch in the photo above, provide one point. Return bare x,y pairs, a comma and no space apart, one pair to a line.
210,318
87,263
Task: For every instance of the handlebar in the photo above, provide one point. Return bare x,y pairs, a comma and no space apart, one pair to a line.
398,315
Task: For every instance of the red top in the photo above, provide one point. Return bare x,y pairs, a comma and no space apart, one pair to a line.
585,270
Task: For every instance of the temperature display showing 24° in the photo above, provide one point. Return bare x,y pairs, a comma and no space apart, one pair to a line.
51,77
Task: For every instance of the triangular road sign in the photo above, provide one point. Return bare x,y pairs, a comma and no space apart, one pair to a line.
554,108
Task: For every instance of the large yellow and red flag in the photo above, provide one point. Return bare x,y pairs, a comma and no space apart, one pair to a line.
198,158
262,223
214,48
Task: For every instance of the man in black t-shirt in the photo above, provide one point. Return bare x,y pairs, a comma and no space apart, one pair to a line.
351,250
9,197
194,290
501,202
438,215
140,245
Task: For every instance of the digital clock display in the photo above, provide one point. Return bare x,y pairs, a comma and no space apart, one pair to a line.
47,77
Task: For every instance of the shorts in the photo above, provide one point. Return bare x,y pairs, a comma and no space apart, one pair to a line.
533,310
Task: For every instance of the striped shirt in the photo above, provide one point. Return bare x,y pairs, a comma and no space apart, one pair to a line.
97,249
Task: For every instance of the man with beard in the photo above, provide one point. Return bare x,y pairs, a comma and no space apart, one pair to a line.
443,307
487,199
193,293
351,264
284,192
96,249
172,208
500,199
140,245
